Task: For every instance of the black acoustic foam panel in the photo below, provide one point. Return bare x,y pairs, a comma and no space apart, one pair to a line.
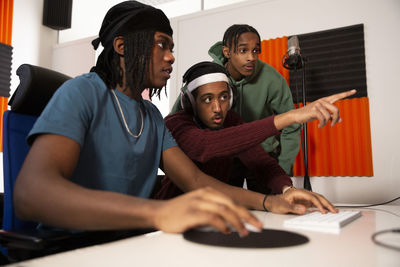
335,62
5,69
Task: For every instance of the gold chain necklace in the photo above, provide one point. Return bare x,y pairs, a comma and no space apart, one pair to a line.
123,117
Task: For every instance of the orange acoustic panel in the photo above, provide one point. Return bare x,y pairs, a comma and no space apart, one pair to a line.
342,150
6,18
272,52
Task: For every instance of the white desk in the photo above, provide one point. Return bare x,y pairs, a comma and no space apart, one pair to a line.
352,247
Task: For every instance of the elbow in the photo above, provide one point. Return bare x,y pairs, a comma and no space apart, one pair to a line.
22,203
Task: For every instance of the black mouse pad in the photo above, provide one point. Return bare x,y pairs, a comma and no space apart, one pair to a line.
268,238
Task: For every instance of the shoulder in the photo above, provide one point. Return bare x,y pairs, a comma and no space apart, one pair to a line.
181,115
268,70
86,85
89,79
178,118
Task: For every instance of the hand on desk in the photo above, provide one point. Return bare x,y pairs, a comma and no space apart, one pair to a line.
297,201
202,207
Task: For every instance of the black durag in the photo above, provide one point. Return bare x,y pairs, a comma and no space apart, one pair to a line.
131,16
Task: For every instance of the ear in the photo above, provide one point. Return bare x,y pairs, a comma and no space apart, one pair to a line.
226,52
119,45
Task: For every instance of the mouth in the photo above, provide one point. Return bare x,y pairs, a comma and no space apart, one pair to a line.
167,72
249,67
217,119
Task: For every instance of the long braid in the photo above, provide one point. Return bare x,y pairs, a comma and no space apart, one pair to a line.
138,57
108,68
138,49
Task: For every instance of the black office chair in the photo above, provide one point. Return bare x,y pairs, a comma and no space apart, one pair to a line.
21,240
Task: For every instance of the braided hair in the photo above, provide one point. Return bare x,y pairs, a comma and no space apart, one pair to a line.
232,34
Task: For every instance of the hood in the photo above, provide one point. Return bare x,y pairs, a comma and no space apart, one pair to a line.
218,57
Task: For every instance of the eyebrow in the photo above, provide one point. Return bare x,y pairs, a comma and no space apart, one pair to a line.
245,44
211,94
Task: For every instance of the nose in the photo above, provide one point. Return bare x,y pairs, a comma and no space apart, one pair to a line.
216,106
251,56
169,57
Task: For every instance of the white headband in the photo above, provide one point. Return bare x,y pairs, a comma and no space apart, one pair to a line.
207,78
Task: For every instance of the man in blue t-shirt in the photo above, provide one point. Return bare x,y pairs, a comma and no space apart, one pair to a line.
96,148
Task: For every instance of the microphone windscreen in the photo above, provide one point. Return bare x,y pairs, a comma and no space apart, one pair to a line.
293,45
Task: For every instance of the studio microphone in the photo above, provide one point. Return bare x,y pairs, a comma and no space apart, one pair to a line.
292,59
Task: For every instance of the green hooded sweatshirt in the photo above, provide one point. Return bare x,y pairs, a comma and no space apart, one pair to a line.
260,95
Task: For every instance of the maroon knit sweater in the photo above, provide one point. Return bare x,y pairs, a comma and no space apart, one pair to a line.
213,151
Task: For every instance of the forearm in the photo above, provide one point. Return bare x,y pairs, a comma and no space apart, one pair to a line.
283,120
202,145
247,198
60,203
185,174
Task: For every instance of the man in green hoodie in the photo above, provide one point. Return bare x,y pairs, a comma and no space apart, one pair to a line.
261,90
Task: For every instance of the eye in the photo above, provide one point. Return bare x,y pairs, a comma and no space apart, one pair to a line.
256,51
224,97
242,50
207,100
161,44
164,45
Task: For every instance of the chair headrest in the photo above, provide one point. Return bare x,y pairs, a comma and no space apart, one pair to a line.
37,85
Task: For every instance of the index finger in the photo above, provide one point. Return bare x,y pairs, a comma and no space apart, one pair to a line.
326,203
333,98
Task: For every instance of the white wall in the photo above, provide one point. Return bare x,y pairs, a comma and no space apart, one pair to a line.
31,41
66,55
381,19
193,34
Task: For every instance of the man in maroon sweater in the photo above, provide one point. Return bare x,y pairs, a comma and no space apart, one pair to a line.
213,136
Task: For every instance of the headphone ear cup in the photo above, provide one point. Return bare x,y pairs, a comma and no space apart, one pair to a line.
182,101
186,104
231,98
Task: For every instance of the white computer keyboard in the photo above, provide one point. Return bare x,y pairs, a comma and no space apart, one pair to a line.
316,221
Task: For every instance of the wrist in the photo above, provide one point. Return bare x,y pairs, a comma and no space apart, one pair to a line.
284,119
264,204
158,215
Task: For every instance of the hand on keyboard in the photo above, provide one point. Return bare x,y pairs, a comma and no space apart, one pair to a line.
297,201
